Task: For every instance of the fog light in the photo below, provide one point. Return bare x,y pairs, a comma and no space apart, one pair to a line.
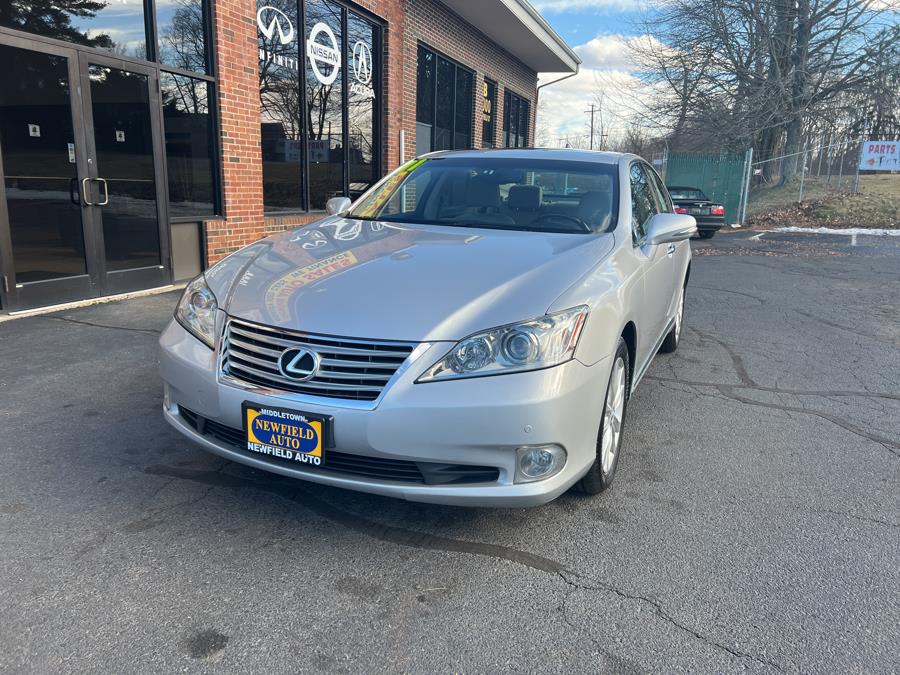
538,462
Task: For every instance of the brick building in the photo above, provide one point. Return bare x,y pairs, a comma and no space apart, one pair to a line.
134,156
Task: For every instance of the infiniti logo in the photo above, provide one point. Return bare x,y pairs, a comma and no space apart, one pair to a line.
275,18
298,364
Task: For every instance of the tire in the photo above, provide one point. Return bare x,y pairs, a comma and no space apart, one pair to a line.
603,470
670,344
707,234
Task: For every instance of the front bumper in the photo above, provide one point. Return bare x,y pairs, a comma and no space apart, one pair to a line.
477,421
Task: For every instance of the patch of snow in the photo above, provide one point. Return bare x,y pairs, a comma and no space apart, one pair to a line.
876,232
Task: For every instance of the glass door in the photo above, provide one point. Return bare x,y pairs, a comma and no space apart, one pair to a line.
82,199
45,235
124,187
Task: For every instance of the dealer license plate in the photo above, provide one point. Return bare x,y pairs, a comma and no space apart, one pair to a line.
287,435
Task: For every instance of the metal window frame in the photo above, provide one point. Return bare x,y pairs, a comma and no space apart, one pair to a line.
508,95
457,65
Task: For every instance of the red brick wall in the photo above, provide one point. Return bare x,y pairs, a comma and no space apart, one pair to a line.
407,22
434,25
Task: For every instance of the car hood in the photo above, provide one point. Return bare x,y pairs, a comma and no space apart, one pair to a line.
380,280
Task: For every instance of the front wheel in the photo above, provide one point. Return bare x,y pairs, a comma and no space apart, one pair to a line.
609,437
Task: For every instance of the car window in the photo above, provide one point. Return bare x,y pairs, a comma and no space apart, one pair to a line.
686,193
532,194
643,203
659,190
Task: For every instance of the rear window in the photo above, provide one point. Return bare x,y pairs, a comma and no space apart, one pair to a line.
685,193
502,193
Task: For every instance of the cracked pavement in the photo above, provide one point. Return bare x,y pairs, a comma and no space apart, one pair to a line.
753,525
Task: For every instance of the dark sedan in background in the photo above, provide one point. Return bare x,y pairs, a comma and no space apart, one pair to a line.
710,216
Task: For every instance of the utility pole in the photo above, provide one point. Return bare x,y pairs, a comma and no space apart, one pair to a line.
592,110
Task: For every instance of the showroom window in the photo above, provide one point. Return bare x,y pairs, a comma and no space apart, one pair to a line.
488,117
515,121
444,103
319,104
178,40
190,144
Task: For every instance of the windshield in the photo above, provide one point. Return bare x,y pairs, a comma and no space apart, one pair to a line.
514,194
685,193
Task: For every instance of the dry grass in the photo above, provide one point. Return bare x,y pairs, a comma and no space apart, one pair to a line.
876,205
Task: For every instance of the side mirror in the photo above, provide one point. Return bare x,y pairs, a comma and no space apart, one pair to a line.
337,205
665,228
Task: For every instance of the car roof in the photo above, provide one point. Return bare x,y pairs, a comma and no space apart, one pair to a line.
683,187
559,154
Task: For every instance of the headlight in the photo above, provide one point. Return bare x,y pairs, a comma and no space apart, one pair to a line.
538,343
196,311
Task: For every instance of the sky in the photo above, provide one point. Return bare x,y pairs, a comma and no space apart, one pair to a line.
599,31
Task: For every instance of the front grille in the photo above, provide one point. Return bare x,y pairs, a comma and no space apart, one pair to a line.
379,468
350,368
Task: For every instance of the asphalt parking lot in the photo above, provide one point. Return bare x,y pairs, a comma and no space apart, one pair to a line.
754,524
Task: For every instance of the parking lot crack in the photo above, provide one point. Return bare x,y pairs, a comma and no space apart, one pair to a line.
849,329
864,519
731,291
778,390
736,359
888,444
68,319
574,580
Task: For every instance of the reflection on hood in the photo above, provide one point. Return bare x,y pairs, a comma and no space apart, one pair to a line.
370,279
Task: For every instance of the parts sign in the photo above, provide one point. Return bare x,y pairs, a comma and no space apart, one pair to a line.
880,156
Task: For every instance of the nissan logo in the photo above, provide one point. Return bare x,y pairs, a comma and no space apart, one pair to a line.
275,18
298,364
327,55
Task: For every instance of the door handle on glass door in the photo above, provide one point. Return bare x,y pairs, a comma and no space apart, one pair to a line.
84,192
106,196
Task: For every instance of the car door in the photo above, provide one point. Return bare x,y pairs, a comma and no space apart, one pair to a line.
679,252
655,263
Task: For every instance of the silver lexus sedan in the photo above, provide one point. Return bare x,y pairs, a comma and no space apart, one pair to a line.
469,331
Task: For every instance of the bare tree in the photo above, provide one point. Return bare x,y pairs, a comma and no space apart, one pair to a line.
763,73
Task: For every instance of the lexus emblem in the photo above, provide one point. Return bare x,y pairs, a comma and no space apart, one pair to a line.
275,18
298,364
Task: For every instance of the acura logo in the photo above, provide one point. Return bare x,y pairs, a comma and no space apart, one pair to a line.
275,18
362,62
298,364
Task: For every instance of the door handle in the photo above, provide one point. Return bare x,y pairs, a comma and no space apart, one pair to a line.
670,249
73,191
106,197
84,192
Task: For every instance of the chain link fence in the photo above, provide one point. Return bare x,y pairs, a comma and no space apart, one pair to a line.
822,170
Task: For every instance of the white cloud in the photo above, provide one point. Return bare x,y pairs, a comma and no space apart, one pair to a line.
553,6
612,51
609,70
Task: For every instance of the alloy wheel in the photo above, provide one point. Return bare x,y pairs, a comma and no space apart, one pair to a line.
613,413
679,316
